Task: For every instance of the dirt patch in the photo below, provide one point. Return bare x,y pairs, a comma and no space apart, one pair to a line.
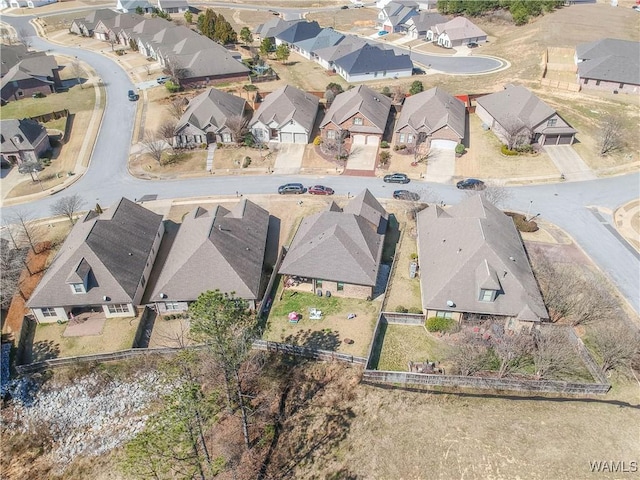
353,20
192,163
235,158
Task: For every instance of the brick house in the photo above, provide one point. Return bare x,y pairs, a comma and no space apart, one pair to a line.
22,141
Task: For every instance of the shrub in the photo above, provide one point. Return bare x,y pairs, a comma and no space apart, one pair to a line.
459,149
505,151
413,256
416,87
401,309
416,310
386,91
399,147
219,145
524,149
521,222
440,324
317,141
384,144
171,86
384,157
246,162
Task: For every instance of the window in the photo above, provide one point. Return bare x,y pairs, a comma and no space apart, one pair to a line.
586,80
486,295
401,138
77,288
274,133
621,86
597,82
340,286
226,137
444,314
358,121
331,134
48,312
552,122
409,137
171,306
318,283
118,308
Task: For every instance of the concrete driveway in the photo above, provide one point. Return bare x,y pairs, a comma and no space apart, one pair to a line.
567,160
362,157
289,158
441,165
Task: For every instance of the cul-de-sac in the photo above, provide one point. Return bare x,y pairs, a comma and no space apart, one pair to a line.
320,239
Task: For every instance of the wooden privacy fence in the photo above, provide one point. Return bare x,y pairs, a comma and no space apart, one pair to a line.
528,386
47,117
403,318
307,352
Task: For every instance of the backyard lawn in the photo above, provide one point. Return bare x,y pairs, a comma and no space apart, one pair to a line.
76,99
331,331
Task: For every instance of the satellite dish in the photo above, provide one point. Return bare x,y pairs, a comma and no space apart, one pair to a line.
450,303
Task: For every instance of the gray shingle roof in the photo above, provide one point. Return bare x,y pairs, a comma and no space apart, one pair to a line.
215,249
211,61
398,13
372,58
363,100
426,20
17,135
432,110
609,46
115,245
612,68
349,44
470,246
210,110
328,37
274,26
459,28
40,66
286,104
299,31
94,17
12,55
340,245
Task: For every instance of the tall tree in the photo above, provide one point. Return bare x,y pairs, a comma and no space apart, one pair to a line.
245,35
67,206
266,46
224,32
225,324
239,126
282,53
27,230
154,145
188,17
615,343
610,138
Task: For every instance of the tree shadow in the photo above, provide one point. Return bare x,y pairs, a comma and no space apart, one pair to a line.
391,239
44,350
322,340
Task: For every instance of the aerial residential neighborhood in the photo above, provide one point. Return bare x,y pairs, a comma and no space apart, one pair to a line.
310,240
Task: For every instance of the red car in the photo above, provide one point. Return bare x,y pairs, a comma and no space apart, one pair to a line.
320,190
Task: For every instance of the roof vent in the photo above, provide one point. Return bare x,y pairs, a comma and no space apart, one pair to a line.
450,303
130,254
459,250
163,295
512,259
105,298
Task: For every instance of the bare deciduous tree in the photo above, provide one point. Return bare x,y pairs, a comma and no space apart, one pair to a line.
513,349
68,206
553,353
239,126
27,230
77,71
616,344
176,71
610,139
12,262
335,146
176,108
147,68
154,145
167,131
470,355
398,94
514,132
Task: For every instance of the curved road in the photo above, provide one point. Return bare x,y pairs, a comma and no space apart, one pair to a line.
573,206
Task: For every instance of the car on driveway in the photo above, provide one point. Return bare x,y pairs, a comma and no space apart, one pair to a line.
296,188
344,7
162,80
406,195
133,96
471,184
472,44
382,33
320,190
396,178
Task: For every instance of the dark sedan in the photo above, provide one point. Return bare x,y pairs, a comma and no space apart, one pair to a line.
396,178
406,195
296,188
320,190
470,184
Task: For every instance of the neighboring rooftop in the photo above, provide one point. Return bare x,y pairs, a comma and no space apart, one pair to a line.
360,100
432,110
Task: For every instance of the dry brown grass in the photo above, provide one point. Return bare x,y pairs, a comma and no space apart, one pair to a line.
402,290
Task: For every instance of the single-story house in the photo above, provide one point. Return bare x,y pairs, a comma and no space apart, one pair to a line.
85,26
328,37
610,65
285,116
419,25
394,16
39,3
102,267
173,6
518,117
455,33
22,141
339,250
297,32
273,27
434,118
205,120
473,266
111,29
326,56
361,113
218,249
34,72
372,62
18,4
131,6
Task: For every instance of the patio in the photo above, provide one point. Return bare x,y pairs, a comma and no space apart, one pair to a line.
85,323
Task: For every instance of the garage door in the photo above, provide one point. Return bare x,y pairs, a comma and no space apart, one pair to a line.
443,144
299,138
286,137
551,140
359,139
565,140
373,140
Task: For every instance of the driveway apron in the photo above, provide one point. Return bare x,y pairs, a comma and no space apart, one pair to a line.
569,163
289,158
441,165
362,157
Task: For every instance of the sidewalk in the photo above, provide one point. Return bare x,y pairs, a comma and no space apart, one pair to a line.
627,222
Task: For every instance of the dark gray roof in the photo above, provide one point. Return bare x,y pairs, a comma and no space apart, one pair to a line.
426,20
299,31
210,110
215,249
611,68
349,44
39,65
342,246
286,104
398,13
12,55
328,37
372,58
95,16
432,110
609,47
17,135
470,246
516,104
212,61
374,106
116,246
274,26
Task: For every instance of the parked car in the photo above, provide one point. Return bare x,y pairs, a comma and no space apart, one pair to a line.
163,80
471,184
396,178
296,188
133,96
320,190
273,12
344,7
381,33
358,5
472,45
406,195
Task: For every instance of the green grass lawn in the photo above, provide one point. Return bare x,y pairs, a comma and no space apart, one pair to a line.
76,100
404,343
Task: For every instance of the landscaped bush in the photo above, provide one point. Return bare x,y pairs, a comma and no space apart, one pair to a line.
171,86
521,222
317,141
505,151
384,157
246,162
440,324
401,309
524,149
416,310
399,147
384,144
413,256
460,149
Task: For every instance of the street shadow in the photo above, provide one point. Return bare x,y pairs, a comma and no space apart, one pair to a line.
320,340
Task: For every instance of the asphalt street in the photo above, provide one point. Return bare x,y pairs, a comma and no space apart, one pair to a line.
582,209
